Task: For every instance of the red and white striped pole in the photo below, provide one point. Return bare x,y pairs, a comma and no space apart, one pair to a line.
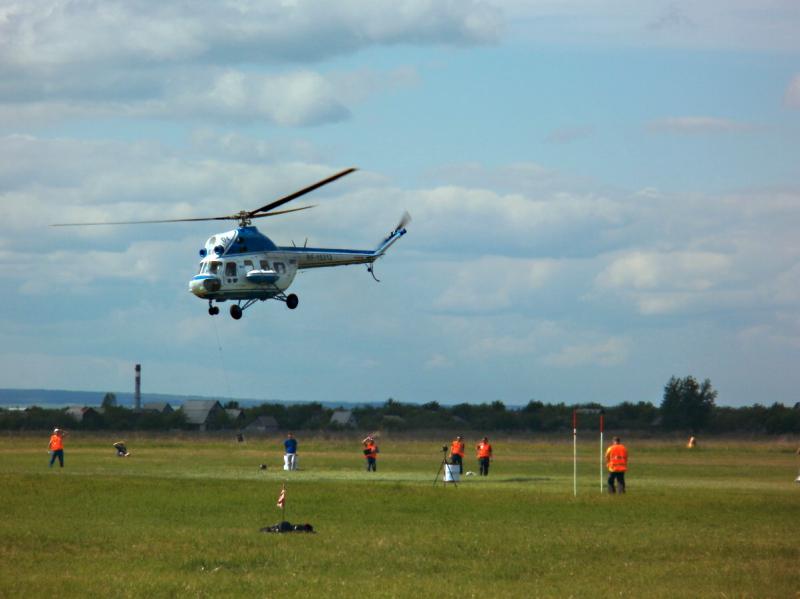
602,464
575,453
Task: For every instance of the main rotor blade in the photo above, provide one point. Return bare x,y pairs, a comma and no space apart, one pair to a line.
281,211
297,194
148,222
181,220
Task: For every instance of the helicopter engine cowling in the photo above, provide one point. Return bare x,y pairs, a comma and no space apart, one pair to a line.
202,285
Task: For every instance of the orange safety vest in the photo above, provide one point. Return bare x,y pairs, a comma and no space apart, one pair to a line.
457,448
56,443
484,450
371,450
617,458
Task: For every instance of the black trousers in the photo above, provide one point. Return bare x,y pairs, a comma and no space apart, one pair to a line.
372,464
619,477
456,459
484,465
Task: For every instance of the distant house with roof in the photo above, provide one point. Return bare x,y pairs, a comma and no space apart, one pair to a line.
263,424
84,414
343,419
162,407
80,412
201,412
235,416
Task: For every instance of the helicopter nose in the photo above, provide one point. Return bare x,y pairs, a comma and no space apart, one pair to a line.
202,285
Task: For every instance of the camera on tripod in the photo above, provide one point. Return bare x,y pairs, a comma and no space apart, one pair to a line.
444,448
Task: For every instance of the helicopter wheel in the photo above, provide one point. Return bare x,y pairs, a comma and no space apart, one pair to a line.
213,310
236,312
292,301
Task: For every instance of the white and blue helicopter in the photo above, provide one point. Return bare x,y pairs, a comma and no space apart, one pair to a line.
245,266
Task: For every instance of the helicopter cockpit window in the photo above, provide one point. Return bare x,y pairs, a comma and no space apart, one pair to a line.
264,265
248,265
230,269
279,267
213,267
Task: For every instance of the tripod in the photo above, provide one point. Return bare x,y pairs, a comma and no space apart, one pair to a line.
442,466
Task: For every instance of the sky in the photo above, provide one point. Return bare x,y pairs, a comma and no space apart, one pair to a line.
604,194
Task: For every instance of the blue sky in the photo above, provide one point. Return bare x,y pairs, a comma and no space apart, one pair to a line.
604,194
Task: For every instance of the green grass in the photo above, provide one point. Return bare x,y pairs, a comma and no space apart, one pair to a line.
181,517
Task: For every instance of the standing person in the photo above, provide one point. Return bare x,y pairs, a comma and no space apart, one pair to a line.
457,453
371,453
484,456
617,462
290,453
57,447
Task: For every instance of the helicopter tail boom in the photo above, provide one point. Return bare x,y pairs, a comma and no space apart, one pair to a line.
324,257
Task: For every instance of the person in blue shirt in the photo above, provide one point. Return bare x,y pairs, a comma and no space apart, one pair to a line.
290,453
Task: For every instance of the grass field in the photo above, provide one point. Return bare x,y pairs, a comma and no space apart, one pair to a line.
181,517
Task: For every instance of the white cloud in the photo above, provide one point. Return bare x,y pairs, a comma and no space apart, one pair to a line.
493,282
43,35
436,361
610,352
792,95
696,271
712,24
292,99
697,125
77,271
221,61
667,282
566,135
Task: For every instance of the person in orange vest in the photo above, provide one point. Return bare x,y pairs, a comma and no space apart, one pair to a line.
617,462
484,456
56,448
457,453
371,453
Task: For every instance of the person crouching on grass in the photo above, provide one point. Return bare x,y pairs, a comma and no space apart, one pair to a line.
57,447
617,462
371,453
122,450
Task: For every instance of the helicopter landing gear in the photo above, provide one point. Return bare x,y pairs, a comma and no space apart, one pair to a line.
236,312
292,301
212,309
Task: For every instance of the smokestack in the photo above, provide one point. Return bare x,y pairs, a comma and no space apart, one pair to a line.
137,395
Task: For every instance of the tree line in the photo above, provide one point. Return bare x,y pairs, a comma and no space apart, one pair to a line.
688,406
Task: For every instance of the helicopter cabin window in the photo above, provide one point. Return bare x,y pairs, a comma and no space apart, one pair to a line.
248,265
230,269
264,265
279,267
213,267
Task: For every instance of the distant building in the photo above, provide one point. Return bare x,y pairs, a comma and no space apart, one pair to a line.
84,414
235,416
343,418
162,407
263,424
199,412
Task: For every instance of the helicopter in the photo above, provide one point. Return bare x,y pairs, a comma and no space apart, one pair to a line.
245,266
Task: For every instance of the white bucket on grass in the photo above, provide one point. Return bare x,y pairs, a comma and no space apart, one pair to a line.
451,473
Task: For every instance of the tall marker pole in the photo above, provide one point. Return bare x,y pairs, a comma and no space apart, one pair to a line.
602,469
575,453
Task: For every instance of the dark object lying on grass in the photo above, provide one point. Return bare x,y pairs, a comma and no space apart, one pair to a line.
288,527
